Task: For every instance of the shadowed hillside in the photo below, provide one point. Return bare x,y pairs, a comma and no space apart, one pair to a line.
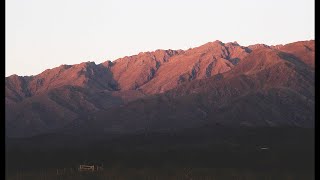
217,82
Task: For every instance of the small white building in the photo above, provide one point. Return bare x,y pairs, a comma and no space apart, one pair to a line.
91,168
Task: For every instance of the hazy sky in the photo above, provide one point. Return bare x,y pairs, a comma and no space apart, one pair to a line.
42,34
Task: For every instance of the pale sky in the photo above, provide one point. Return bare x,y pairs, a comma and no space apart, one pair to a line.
42,34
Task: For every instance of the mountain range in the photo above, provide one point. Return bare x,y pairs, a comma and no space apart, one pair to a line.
214,85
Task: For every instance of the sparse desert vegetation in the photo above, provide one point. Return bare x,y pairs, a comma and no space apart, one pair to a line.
196,153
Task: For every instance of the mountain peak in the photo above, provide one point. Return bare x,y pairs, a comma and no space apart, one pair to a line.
176,88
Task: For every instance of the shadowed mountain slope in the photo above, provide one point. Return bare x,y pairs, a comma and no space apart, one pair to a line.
216,83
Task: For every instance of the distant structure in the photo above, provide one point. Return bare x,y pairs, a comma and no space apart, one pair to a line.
90,167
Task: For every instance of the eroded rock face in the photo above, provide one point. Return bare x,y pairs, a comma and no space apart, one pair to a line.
197,63
217,72
134,71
